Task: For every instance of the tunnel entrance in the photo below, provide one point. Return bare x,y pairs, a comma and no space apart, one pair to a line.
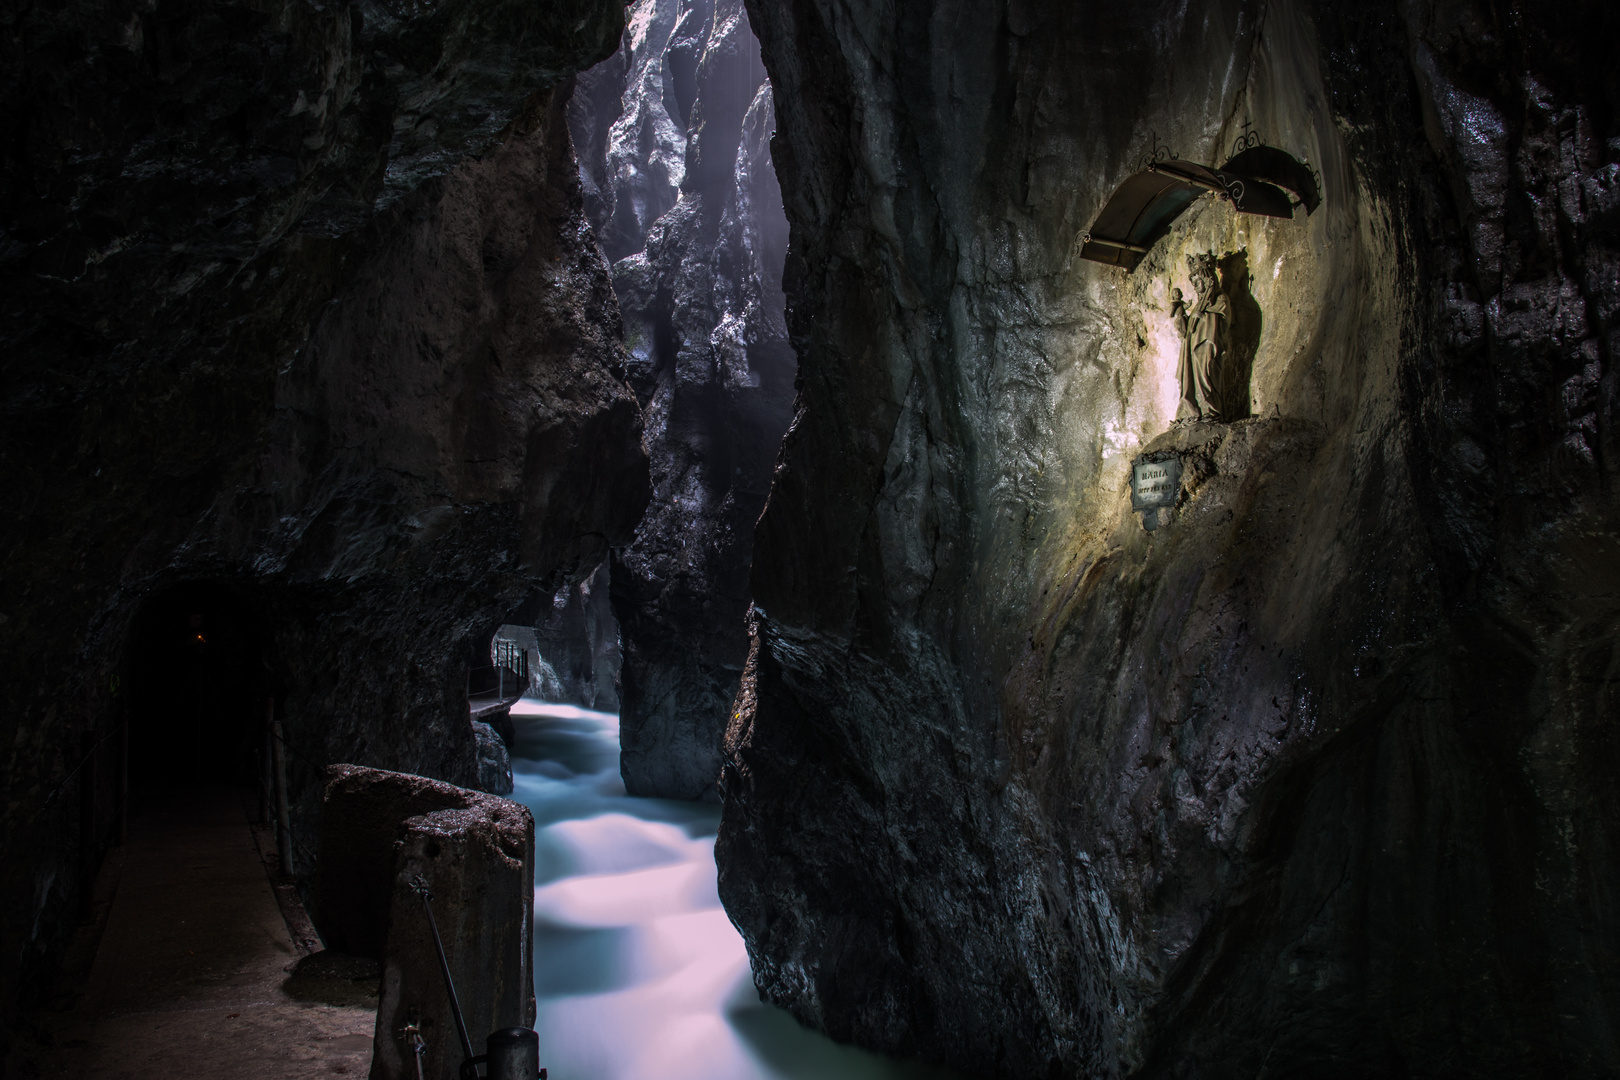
197,679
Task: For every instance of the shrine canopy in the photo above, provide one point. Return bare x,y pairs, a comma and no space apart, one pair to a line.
1141,212
1277,167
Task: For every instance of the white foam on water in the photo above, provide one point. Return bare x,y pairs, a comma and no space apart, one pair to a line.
529,707
638,971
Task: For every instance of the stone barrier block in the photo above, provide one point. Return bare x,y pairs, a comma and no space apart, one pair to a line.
478,864
381,831
363,815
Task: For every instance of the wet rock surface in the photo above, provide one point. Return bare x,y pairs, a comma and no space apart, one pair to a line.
573,639
494,761
298,301
1313,778
674,135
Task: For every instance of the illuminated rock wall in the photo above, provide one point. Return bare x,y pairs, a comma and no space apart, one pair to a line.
1309,781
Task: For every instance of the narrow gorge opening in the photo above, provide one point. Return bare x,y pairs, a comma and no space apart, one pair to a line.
616,746
673,138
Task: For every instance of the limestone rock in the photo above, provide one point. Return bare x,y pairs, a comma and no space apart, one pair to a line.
297,300
675,144
494,761
1311,780
575,638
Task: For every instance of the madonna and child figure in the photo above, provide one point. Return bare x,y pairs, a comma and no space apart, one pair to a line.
1204,330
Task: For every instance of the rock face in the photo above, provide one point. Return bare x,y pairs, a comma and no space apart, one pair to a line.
674,135
494,761
1315,778
573,643
300,305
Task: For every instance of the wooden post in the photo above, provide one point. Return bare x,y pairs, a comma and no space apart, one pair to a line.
283,819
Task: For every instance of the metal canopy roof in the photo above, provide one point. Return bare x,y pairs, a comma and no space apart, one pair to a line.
1140,213
1275,166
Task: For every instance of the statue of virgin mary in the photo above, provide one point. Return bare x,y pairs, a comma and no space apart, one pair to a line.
1204,329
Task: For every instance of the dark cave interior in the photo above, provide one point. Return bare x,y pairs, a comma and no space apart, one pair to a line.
197,667
1010,536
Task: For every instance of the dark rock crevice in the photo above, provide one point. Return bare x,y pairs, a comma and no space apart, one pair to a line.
301,302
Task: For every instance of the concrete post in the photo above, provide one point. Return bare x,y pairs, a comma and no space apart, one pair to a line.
479,867
380,831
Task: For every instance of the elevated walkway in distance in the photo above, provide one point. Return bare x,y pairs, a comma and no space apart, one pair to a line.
496,688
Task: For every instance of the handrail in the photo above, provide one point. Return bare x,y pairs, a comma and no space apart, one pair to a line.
1088,238
500,682
509,654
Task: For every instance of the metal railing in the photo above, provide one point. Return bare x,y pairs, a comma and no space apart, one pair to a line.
496,682
512,656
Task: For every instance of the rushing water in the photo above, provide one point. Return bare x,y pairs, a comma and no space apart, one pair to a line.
638,972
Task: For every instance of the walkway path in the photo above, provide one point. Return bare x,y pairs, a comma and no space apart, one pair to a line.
192,976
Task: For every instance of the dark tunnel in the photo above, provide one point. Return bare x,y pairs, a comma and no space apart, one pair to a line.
197,685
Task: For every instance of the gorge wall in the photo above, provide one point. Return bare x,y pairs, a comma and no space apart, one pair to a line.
573,643
674,136
1314,779
300,308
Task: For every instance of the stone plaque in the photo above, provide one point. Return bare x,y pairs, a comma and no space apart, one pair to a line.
1154,483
